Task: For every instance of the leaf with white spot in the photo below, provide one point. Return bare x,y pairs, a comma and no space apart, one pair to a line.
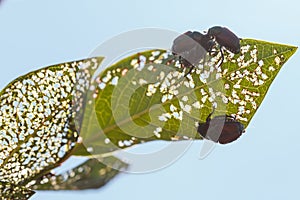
89,175
132,95
157,95
40,114
249,75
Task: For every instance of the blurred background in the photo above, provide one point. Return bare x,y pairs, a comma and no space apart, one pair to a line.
263,164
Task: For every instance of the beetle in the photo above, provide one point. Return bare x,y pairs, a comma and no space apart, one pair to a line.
191,48
223,129
225,38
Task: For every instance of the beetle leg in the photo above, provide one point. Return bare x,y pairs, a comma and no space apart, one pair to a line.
191,68
181,61
229,117
222,58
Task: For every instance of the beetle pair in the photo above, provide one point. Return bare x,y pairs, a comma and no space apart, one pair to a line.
223,129
192,46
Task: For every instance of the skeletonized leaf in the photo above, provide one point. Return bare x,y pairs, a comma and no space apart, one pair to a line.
40,113
10,191
91,174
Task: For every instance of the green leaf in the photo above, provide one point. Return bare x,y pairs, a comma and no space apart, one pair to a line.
40,113
145,97
91,174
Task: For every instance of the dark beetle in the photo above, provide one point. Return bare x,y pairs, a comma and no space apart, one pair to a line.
225,38
191,47
223,129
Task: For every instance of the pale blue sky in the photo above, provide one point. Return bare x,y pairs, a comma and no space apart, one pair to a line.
263,164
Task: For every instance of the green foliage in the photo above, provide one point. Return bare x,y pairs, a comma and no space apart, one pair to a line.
145,97
11,191
90,174
39,113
